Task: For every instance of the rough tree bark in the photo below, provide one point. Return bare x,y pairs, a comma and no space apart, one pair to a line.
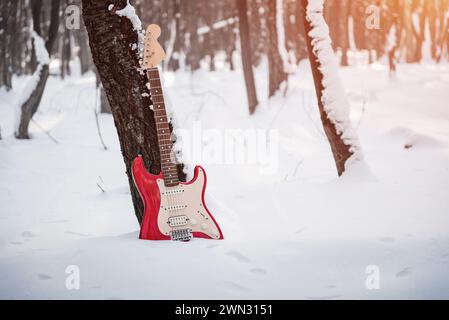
8,17
341,150
246,55
30,106
276,73
111,38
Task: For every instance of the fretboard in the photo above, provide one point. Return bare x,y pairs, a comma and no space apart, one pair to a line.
169,169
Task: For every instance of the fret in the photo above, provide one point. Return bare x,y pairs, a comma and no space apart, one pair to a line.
156,92
169,169
154,83
171,172
161,119
157,98
159,113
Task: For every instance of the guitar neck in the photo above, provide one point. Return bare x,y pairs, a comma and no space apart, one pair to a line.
169,169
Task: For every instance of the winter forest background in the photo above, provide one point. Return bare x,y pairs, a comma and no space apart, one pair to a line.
339,188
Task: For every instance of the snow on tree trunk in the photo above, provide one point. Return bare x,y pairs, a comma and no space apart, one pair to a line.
34,90
332,102
32,94
115,37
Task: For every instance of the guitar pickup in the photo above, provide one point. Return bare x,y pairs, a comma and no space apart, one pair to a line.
181,235
177,221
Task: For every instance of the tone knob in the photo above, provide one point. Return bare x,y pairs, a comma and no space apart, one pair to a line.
204,226
193,222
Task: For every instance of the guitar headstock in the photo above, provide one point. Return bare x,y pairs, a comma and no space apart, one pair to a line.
153,52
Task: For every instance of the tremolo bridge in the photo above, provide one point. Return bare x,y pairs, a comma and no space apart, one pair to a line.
181,235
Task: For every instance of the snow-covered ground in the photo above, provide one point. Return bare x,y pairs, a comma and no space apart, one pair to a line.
293,232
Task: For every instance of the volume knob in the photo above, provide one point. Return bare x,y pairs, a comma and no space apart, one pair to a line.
204,226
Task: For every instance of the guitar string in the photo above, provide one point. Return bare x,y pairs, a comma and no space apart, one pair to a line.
170,198
161,145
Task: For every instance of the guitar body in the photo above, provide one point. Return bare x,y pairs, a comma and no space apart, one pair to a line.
172,211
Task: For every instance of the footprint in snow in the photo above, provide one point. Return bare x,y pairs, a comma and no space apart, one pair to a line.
16,243
258,271
331,286
28,234
300,230
404,272
56,221
237,255
78,234
232,286
335,296
387,239
42,276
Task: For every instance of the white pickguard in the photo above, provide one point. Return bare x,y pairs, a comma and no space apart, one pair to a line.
185,201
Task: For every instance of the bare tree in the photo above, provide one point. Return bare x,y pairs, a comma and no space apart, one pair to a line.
245,44
276,73
111,40
332,107
31,104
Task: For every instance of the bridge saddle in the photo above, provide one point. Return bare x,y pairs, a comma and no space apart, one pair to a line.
181,235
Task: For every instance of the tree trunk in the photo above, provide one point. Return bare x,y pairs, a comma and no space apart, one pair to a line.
343,30
246,55
84,52
276,71
340,150
394,24
111,38
66,53
30,106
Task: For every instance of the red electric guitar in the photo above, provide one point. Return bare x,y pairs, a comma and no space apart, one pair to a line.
173,210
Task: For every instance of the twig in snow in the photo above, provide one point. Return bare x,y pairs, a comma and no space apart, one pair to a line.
99,185
364,100
45,131
295,172
96,119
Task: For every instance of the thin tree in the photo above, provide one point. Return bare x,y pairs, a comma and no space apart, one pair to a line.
276,73
332,103
393,36
31,100
245,45
113,40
